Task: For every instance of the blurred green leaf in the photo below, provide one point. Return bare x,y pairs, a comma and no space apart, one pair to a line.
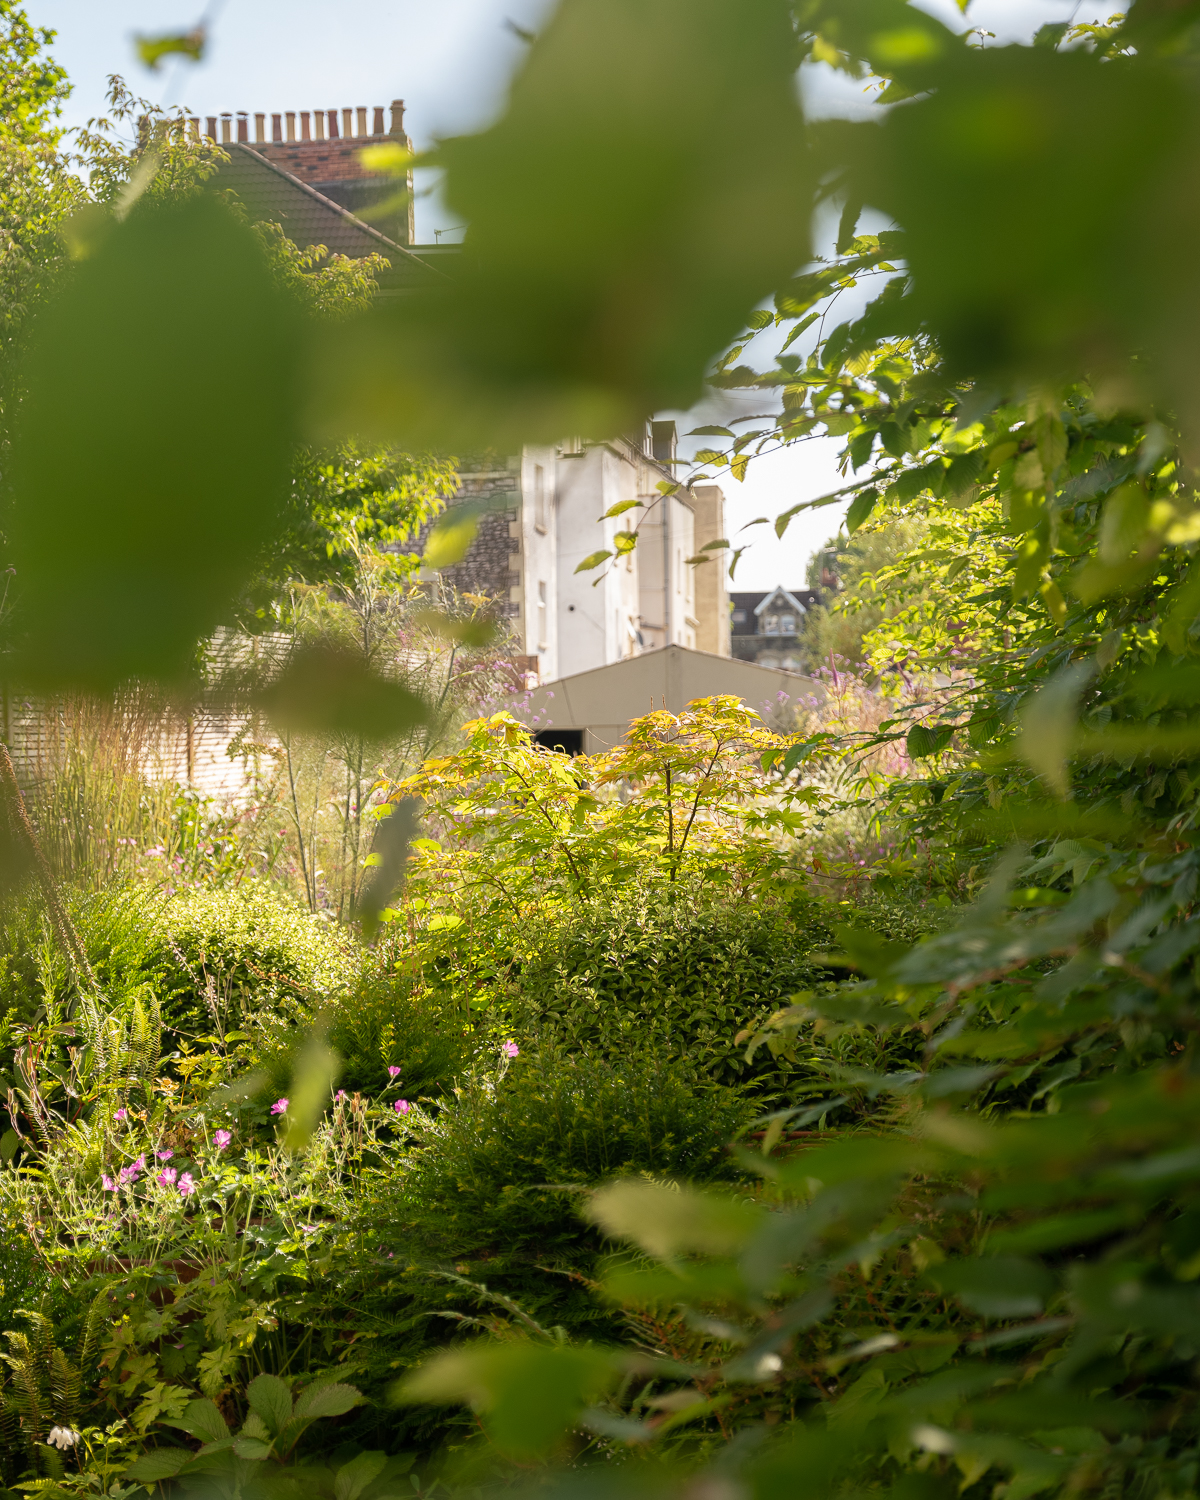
328,690
152,49
152,452
528,1395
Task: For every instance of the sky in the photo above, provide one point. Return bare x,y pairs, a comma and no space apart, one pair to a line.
450,62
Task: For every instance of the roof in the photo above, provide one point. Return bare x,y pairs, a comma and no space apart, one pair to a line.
752,605
604,700
308,217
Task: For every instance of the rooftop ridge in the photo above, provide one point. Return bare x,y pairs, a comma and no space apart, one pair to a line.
317,126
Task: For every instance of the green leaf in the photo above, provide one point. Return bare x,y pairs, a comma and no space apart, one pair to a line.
152,49
137,522
711,432
528,1395
202,1419
860,508
331,690
924,740
353,1477
327,1401
159,1464
252,1448
997,1286
665,1221
270,1398
450,540
620,508
593,560
1048,723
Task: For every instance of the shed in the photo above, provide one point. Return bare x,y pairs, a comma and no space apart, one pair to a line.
591,711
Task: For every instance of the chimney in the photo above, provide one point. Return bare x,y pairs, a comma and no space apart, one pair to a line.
226,126
260,129
193,126
664,439
333,130
305,133
397,118
212,128
347,123
290,116
319,123
361,112
277,127
377,124
243,124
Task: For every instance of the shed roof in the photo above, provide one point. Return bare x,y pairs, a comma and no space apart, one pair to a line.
604,701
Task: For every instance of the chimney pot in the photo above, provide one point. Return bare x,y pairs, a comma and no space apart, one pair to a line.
277,127
319,123
305,132
193,126
397,118
243,124
226,127
212,127
361,112
347,123
290,117
260,129
377,123
333,128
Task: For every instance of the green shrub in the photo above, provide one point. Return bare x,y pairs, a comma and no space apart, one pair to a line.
678,979
495,1169
389,1019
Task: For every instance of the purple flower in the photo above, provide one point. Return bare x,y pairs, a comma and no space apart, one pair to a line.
107,1184
164,1155
221,1139
187,1185
341,1094
510,1049
166,1178
401,1106
279,1107
393,1072
121,1114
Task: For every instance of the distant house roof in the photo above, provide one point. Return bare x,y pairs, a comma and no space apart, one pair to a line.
749,608
308,217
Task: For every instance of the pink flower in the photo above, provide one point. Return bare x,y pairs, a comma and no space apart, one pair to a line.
279,1107
510,1049
108,1184
164,1155
166,1178
187,1185
401,1106
221,1139
121,1114
393,1072
340,1095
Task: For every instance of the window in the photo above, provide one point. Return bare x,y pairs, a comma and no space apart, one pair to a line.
739,617
787,624
771,625
540,519
543,639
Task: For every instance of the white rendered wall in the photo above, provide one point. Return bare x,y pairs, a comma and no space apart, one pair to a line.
538,526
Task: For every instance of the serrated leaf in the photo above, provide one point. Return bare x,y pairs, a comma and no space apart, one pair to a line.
620,508
353,1477
202,1419
159,1464
711,432
860,509
270,1400
927,739
251,1448
327,1401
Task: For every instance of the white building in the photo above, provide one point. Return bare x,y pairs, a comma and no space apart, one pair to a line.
551,511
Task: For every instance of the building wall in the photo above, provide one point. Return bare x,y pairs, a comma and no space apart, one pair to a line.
712,590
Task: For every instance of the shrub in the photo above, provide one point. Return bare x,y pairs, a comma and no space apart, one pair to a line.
677,979
496,1167
389,1019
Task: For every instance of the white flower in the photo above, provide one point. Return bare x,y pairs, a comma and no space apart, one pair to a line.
62,1437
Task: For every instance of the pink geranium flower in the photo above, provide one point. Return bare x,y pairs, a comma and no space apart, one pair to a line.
221,1139
401,1106
107,1184
121,1114
510,1049
187,1185
164,1155
393,1072
279,1107
166,1178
